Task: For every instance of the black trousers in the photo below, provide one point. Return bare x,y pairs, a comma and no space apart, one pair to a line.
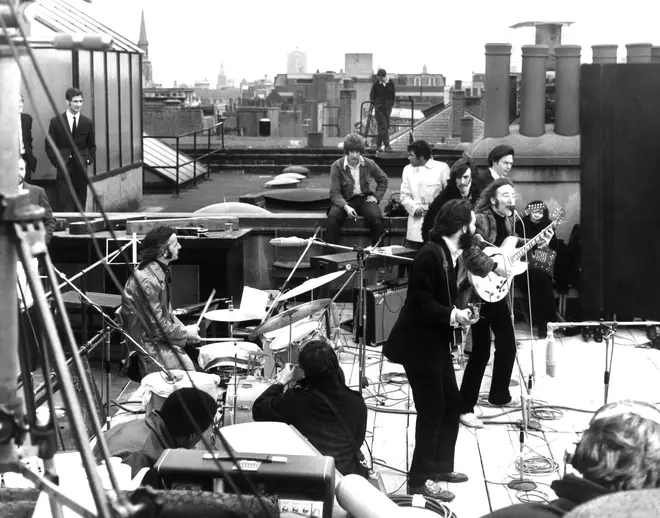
370,211
495,316
438,403
383,123
64,199
544,307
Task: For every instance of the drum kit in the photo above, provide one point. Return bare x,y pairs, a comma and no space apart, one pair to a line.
240,364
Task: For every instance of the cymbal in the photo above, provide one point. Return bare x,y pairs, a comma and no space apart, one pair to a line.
290,316
230,349
229,315
312,284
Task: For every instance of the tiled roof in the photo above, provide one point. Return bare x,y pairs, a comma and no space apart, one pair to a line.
434,129
64,16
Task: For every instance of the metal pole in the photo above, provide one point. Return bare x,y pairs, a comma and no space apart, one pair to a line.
177,166
195,159
9,91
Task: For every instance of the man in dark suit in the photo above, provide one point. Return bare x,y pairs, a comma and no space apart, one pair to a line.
421,341
382,95
25,141
500,161
81,129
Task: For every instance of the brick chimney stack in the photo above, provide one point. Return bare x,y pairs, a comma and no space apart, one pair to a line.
457,108
638,52
532,105
603,54
567,90
496,95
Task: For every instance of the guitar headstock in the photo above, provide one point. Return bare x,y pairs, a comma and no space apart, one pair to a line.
558,216
533,208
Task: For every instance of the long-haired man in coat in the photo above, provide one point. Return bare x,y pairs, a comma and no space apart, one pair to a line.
421,342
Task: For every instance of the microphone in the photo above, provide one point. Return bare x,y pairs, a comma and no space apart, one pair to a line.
479,239
289,241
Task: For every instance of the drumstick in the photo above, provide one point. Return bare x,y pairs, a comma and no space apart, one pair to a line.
208,302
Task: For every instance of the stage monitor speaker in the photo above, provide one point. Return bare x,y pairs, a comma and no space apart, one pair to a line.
620,189
383,306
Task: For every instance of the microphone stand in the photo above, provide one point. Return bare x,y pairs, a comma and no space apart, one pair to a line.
310,242
608,332
360,319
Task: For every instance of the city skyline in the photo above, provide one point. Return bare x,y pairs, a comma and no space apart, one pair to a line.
456,49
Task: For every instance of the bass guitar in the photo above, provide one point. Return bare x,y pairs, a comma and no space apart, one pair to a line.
493,287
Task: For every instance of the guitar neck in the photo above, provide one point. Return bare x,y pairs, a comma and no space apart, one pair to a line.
515,256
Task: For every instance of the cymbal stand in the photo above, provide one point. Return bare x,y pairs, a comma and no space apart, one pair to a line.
360,320
310,242
608,332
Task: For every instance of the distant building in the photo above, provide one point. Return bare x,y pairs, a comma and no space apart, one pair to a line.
147,77
222,78
202,85
296,62
169,96
359,65
425,89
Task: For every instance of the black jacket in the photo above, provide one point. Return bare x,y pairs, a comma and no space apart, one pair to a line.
28,155
450,192
84,139
422,334
383,95
39,197
571,492
313,418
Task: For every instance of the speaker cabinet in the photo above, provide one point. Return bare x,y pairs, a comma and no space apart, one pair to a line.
620,189
383,306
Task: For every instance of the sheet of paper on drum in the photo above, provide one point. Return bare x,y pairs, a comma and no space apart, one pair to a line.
254,302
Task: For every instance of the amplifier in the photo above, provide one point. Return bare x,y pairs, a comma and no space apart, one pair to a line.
304,483
383,306
348,260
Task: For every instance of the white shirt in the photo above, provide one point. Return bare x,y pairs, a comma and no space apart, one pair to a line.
494,174
69,117
355,172
419,187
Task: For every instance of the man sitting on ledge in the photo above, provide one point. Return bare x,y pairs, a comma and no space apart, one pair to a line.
350,191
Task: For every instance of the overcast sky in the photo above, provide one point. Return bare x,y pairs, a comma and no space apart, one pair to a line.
189,39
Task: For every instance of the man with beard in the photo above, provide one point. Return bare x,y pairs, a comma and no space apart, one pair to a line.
421,342
460,186
494,223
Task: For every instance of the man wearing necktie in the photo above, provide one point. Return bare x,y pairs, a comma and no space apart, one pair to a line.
81,129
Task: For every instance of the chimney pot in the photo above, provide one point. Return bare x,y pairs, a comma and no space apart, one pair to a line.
603,54
532,107
457,111
567,90
496,86
638,52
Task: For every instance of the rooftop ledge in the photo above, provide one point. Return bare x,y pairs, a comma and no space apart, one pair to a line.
549,149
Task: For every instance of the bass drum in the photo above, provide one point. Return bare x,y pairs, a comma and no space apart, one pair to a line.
241,395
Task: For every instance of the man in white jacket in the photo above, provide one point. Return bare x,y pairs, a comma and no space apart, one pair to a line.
421,182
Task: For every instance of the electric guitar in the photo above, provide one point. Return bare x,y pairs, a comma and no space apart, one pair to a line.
493,287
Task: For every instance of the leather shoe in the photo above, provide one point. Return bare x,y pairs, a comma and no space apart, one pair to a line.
431,489
454,477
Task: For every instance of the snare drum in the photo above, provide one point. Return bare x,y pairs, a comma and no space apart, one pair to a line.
244,394
300,334
227,359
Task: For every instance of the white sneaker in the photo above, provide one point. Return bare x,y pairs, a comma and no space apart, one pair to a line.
470,420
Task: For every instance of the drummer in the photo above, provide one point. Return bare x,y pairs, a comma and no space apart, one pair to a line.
147,310
306,406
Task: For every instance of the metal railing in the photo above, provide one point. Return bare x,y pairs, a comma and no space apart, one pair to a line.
219,130
371,109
